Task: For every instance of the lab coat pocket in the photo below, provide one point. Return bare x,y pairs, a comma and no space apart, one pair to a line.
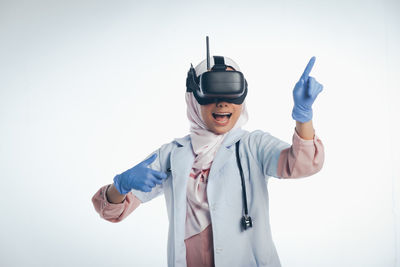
168,180
168,172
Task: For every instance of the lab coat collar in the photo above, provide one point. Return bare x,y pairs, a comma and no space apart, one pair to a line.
184,141
231,138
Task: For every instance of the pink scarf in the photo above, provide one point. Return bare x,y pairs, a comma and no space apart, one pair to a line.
205,145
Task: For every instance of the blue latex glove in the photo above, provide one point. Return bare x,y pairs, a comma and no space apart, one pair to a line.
304,94
139,177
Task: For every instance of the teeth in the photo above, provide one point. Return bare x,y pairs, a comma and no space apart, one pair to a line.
228,114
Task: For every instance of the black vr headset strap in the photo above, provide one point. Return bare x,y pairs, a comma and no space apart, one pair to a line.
191,80
219,64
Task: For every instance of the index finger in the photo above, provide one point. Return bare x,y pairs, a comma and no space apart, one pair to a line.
149,160
307,71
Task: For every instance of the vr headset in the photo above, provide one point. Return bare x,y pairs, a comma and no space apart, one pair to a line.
218,84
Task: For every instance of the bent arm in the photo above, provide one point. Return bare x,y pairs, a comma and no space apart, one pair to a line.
113,195
114,212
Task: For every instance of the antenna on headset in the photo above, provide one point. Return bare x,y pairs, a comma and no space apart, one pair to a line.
208,54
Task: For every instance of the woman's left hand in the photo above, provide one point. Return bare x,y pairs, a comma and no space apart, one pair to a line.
304,94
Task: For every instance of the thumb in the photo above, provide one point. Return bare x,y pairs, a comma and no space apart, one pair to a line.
312,86
148,161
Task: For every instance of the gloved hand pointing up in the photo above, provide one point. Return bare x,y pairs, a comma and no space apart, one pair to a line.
304,94
139,177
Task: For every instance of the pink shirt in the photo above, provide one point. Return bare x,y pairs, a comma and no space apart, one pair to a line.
294,162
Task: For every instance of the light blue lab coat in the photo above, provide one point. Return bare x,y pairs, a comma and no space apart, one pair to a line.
259,154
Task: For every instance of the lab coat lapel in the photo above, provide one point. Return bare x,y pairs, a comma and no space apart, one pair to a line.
222,156
225,153
215,182
182,159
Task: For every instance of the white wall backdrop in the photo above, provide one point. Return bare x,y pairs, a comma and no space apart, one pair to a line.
89,88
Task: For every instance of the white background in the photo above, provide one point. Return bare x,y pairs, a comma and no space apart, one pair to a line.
89,88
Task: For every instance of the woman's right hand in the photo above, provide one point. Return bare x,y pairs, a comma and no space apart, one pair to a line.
139,177
305,92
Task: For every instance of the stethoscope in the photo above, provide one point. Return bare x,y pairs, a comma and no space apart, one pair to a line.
246,221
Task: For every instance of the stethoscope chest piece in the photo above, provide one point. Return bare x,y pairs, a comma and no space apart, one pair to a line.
246,222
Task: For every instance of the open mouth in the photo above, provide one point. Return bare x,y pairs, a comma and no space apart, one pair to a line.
222,117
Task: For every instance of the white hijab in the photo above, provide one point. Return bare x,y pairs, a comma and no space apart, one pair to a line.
206,143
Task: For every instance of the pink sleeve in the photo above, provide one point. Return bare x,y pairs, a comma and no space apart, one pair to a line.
303,158
114,212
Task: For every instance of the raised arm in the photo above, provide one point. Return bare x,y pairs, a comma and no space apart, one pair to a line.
303,158
305,130
306,155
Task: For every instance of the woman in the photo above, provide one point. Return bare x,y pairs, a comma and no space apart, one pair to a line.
199,177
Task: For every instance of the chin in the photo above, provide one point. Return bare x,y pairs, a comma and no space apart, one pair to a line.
222,131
